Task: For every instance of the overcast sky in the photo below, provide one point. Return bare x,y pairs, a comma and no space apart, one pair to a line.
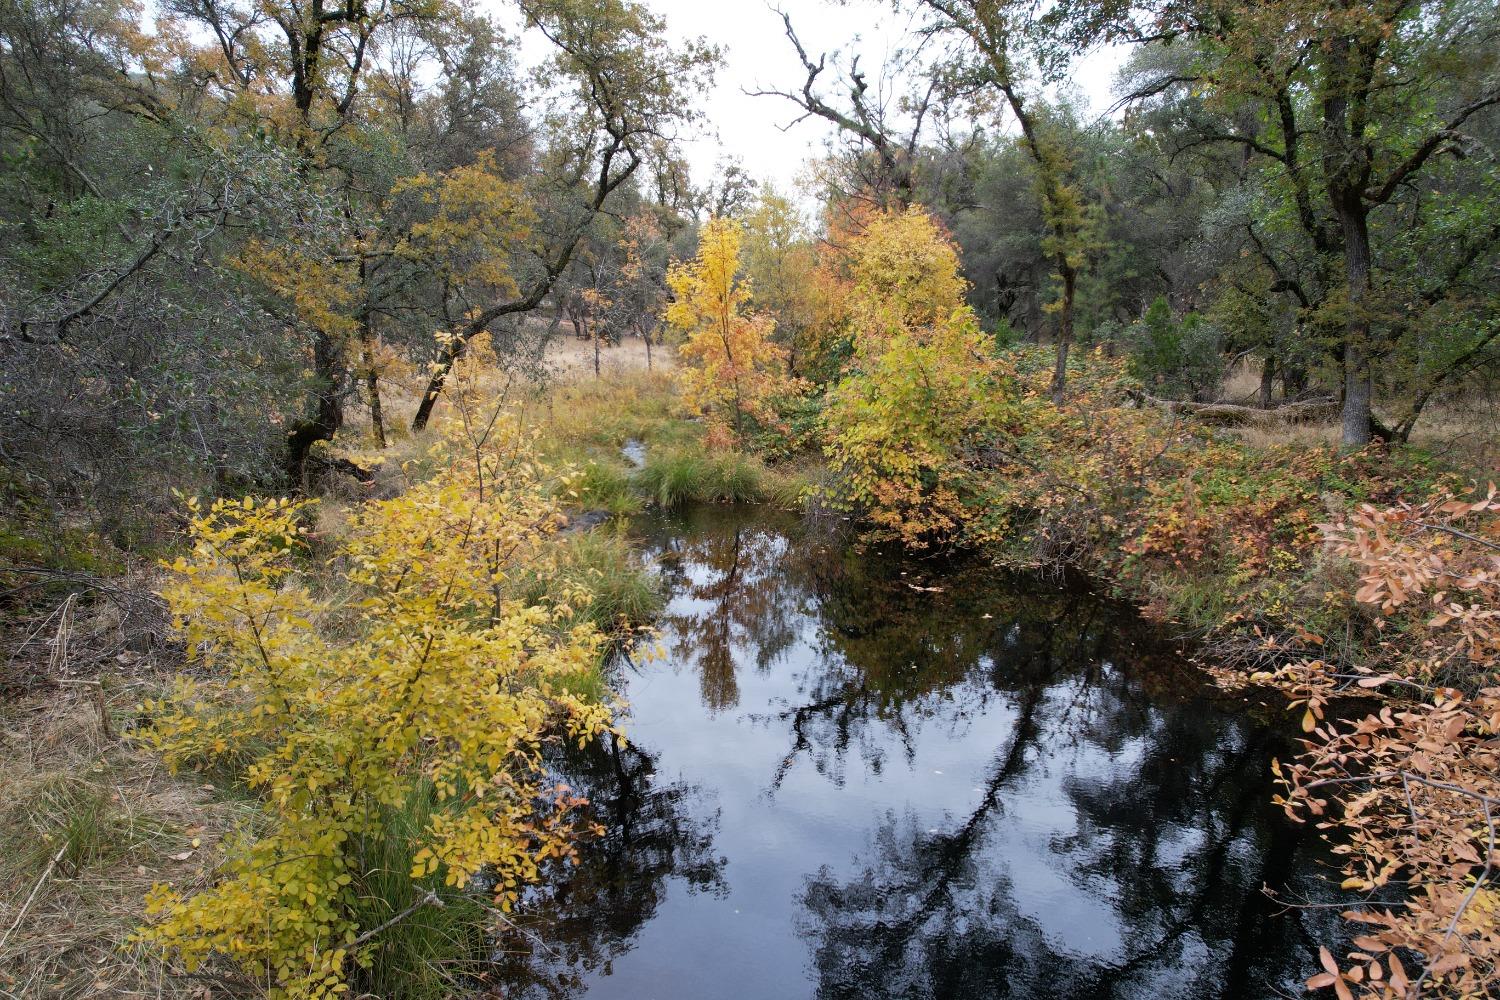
757,55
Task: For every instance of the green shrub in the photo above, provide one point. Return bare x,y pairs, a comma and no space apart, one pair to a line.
1181,358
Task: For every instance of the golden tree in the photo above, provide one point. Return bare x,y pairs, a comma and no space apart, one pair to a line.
732,369
925,400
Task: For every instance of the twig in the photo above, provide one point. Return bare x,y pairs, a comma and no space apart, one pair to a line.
1460,534
523,931
431,899
58,661
32,898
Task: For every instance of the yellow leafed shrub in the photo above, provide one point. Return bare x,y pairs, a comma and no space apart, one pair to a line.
925,401
416,673
731,370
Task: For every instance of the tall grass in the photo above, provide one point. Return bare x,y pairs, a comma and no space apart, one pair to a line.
620,592
601,416
427,953
604,484
673,477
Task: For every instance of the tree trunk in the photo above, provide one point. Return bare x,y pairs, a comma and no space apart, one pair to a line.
596,352
1358,386
367,344
1064,330
646,336
1267,379
451,353
328,414
377,419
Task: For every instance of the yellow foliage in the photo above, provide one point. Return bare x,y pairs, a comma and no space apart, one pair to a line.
926,399
731,369
475,221
321,291
418,675
905,274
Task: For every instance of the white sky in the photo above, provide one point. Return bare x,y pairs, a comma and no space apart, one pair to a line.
757,55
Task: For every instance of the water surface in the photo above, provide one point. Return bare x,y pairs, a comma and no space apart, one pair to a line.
857,776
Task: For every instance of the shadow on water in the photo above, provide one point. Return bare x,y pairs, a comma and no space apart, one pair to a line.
857,776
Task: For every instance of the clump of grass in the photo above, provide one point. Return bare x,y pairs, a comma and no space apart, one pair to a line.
425,954
119,825
603,485
622,590
76,821
600,564
673,477
795,487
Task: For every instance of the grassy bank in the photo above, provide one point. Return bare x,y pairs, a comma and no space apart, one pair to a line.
588,424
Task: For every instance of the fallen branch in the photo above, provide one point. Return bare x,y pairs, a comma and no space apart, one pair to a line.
431,899
1234,415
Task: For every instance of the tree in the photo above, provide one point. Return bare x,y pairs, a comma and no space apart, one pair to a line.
628,99
732,370
1182,356
995,30
640,287
1382,95
782,265
925,397
871,120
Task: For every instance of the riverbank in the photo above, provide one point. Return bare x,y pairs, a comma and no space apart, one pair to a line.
1214,536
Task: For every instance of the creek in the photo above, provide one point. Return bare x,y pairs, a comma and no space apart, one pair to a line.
854,774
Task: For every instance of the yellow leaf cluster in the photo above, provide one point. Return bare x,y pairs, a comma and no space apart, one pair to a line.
731,370
914,420
472,223
418,674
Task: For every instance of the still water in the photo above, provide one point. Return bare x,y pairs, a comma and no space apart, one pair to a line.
856,776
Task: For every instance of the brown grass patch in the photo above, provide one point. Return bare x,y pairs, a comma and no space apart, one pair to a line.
88,820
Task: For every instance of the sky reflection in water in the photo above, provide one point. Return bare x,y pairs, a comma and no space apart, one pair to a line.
840,783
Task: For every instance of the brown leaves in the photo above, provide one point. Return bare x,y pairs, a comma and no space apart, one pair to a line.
1414,789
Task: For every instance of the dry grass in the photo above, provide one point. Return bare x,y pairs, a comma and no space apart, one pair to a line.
115,823
1242,384
1464,436
1464,433
1305,435
88,820
569,358
567,363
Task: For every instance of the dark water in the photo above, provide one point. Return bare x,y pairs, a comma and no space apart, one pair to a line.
841,783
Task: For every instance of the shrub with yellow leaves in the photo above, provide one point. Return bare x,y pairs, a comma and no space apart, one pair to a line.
925,401
731,369
418,674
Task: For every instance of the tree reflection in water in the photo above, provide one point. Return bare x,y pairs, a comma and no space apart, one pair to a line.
935,782
581,917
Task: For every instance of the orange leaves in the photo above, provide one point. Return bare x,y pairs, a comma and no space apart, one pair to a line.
1445,551
1371,976
1413,790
